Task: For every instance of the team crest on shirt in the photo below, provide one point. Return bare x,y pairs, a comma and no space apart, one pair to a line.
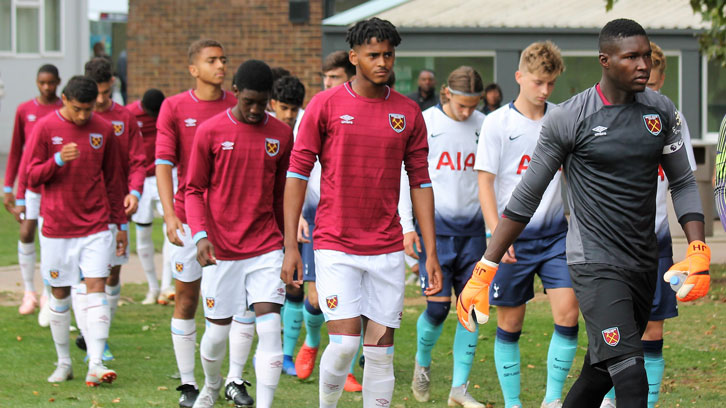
54,273
653,123
96,140
210,302
118,127
397,122
179,267
32,118
611,336
272,147
332,302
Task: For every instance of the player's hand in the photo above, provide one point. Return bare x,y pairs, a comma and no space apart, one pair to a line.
174,224
696,265
9,201
69,152
205,253
472,306
290,263
303,231
18,212
131,204
509,256
122,242
412,244
433,268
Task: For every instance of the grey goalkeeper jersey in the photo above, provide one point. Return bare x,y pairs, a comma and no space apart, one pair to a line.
610,155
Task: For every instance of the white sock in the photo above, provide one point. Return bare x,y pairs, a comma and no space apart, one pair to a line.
80,303
98,322
26,259
145,250
60,324
166,270
212,350
240,342
334,367
268,365
378,378
184,339
113,294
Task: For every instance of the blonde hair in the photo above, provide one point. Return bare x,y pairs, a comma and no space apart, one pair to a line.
542,57
464,79
658,58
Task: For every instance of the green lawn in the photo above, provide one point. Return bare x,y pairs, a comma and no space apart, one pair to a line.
695,354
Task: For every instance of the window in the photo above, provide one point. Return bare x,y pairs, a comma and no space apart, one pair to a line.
407,69
30,26
715,94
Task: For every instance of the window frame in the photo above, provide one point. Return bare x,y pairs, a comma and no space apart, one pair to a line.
40,6
449,54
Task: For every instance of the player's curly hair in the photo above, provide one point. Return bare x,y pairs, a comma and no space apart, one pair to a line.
50,69
363,31
151,101
463,79
658,58
253,74
618,29
81,88
99,69
542,57
289,90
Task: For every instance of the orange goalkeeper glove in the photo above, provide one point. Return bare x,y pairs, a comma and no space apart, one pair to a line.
696,265
473,304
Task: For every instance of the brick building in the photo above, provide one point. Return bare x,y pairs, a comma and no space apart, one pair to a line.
159,33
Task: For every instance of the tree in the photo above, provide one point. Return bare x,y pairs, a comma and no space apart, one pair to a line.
712,40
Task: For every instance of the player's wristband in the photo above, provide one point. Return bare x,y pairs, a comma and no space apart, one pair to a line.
123,227
136,194
7,189
20,202
162,161
199,236
58,160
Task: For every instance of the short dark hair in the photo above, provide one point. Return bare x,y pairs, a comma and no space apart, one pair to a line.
493,87
619,29
99,69
363,31
279,72
254,75
82,89
197,46
151,101
289,89
50,69
339,59
427,70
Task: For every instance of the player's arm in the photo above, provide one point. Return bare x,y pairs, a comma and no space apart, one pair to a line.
198,177
137,167
278,201
19,209
115,184
166,157
14,158
719,178
411,241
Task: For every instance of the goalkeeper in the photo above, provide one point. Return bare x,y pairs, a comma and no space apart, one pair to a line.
610,140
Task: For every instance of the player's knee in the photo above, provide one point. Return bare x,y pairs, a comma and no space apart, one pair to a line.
436,312
27,235
653,331
629,378
185,306
313,300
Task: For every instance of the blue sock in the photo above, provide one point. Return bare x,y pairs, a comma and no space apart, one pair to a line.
506,360
559,360
610,394
313,321
654,367
427,334
291,325
464,349
357,354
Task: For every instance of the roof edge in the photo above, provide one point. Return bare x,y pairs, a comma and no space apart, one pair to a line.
365,10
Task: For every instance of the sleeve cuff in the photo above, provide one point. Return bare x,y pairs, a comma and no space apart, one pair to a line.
426,185
136,194
199,236
124,227
691,217
291,174
7,189
162,161
20,202
58,161
515,217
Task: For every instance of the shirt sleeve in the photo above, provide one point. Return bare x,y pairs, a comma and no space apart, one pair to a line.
405,205
16,152
719,191
199,176
137,159
489,147
415,158
279,191
23,173
556,141
309,141
166,135
686,135
113,179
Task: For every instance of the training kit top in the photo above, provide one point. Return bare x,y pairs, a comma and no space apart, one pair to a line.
452,153
26,116
179,117
360,143
147,124
507,141
611,155
236,184
131,146
83,196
